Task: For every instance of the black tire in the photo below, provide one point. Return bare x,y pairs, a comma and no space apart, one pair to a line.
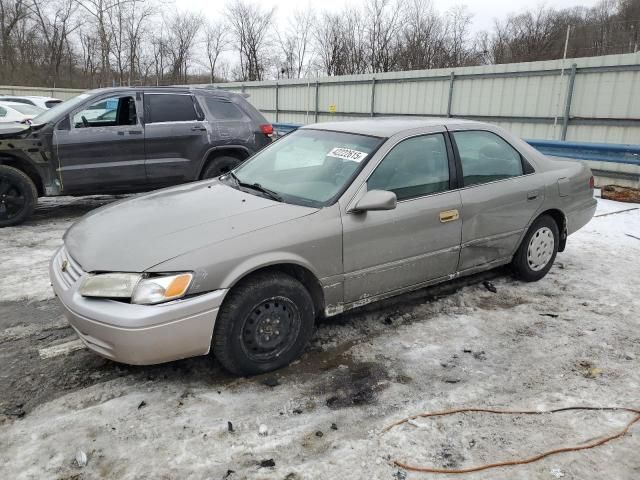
273,302
219,166
18,196
536,254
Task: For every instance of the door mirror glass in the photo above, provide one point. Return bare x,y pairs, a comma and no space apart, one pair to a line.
377,200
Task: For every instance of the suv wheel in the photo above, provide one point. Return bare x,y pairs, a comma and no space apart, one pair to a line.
18,196
538,250
264,324
219,166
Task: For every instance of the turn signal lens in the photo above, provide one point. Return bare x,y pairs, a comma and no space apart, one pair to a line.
154,290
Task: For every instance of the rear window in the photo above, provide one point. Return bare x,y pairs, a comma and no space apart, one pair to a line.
223,109
16,100
27,109
51,103
170,108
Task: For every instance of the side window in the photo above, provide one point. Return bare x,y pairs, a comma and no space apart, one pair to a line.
415,167
167,107
223,109
3,112
486,157
107,112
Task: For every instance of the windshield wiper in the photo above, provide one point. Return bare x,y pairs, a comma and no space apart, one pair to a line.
256,186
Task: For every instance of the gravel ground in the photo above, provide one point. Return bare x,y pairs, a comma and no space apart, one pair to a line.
571,339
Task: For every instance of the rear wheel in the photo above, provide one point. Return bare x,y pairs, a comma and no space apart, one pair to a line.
18,196
264,324
219,166
538,250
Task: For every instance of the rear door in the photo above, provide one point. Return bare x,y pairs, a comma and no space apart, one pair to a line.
101,146
176,137
500,194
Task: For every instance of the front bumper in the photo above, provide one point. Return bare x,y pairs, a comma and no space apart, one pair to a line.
135,334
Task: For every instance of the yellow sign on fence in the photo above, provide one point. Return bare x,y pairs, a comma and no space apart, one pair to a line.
332,108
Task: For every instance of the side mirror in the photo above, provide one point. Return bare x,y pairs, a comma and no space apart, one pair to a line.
377,200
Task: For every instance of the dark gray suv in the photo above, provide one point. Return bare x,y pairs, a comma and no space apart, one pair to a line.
124,140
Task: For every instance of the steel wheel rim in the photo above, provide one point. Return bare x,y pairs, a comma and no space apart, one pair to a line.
12,200
540,248
270,329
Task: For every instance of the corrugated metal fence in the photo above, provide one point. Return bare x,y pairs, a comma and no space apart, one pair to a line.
594,99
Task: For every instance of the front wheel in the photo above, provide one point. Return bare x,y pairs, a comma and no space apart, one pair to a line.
537,251
264,324
18,196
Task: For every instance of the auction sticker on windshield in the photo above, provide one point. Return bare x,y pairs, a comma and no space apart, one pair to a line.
347,154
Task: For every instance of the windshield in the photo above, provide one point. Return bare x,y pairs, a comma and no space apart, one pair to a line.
308,167
53,113
27,109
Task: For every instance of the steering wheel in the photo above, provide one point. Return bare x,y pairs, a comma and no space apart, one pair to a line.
85,122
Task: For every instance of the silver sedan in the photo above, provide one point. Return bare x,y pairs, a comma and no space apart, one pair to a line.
330,217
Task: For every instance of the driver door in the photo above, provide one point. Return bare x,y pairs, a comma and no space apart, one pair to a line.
102,148
419,240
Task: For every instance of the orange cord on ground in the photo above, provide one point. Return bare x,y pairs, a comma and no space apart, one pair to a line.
586,446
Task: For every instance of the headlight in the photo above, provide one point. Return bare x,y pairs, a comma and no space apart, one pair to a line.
137,287
161,289
110,285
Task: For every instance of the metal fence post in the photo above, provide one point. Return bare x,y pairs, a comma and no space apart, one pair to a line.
451,80
373,96
242,88
277,102
316,108
567,105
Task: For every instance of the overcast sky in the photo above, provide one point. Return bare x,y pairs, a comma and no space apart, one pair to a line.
484,11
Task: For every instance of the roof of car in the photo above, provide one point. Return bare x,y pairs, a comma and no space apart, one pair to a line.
174,88
13,104
388,126
31,97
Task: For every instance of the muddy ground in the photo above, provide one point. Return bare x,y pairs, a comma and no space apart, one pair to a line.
571,339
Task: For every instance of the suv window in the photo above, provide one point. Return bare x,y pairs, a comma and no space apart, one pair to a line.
166,107
415,167
107,112
3,112
486,157
223,109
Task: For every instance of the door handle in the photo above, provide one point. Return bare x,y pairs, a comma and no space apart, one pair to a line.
135,132
532,195
449,215
200,128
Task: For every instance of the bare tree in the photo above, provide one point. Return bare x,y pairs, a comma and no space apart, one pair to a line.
12,13
182,30
216,41
56,21
250,25
383,25
295,44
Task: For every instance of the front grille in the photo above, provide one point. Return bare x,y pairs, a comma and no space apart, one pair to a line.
69,270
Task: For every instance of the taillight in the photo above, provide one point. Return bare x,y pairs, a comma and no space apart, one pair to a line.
267,129
592,182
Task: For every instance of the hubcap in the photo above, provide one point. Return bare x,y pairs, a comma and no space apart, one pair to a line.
12,199
270,329
540,249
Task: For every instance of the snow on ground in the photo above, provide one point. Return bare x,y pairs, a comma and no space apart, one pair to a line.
571,339
26,249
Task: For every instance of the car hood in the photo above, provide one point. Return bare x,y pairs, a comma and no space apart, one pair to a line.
135,234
